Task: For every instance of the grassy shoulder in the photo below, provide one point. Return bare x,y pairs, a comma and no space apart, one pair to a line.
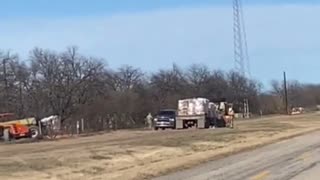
143,154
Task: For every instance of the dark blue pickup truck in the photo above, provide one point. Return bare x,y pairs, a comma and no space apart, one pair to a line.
165,119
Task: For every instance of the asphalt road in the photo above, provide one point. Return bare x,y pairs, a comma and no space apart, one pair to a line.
293,159
311,174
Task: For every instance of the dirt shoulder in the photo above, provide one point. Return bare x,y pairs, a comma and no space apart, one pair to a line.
142,154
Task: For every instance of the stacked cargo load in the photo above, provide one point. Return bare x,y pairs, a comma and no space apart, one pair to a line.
200,113
194,106
194,112
201,106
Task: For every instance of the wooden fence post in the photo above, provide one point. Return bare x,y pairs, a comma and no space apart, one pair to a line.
78,127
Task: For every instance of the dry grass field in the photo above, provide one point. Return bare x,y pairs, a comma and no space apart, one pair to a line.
142,154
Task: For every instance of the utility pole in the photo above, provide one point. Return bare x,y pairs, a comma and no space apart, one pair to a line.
5,80
285,92
241,54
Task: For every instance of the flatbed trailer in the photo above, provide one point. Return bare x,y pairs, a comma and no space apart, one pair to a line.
192,121
203,122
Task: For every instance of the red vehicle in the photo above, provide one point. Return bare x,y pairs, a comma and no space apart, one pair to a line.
16,129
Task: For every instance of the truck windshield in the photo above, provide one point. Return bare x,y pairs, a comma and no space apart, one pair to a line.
167,113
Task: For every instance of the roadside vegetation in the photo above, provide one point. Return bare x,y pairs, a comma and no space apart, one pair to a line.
75,86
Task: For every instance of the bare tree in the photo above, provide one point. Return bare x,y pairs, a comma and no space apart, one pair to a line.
168,86
126,78
198,77
65,79
75,86
8,80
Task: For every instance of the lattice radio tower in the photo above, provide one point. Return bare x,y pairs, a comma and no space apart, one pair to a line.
241,55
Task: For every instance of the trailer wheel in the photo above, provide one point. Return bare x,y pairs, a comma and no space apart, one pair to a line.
6,135
1,131
34,130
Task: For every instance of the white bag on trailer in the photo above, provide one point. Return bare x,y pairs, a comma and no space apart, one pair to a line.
195,106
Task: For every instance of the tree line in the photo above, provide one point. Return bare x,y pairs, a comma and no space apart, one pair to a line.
76,86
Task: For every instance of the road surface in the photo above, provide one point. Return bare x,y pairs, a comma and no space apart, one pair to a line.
311,174
293,159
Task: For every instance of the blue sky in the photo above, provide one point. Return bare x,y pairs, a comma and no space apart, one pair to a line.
62,8
152,34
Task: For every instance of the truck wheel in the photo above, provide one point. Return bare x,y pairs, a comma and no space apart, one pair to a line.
34,130
6,135
156,128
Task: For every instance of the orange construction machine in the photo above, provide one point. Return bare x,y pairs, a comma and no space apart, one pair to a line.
16,129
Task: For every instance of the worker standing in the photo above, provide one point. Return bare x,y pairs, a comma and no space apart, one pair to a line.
231,115
149,121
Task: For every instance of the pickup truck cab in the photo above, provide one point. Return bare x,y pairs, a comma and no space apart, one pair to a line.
165,119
